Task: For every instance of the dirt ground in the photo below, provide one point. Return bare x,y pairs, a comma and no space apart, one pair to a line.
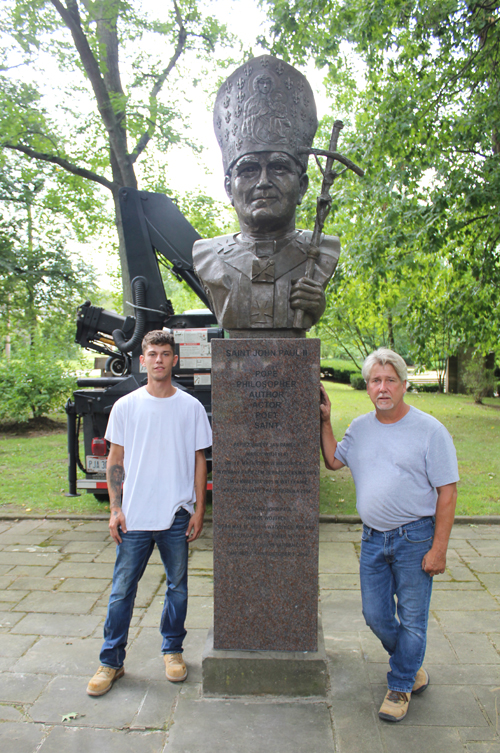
33,427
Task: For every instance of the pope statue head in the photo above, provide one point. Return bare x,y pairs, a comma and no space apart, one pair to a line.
265,121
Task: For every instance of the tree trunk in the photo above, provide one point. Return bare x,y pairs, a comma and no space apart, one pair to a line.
7,337
390,330
100,60
31,270
127,289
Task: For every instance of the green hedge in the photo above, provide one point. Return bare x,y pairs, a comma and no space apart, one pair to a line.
432,387
336,370
357,382
33,386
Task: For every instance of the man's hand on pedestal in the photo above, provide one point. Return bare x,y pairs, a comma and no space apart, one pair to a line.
325,406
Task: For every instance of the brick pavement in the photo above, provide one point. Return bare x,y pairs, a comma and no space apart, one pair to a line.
55,577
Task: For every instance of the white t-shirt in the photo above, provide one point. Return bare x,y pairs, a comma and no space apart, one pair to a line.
397,467
159,437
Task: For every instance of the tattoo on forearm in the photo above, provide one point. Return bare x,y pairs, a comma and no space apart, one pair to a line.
115,479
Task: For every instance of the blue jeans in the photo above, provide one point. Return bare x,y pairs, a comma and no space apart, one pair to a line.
391,566
132,556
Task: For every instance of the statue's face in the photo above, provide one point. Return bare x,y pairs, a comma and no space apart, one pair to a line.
264,84
265,189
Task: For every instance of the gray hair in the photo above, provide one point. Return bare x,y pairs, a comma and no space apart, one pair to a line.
384,356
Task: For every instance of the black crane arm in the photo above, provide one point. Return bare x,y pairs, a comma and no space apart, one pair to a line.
152,224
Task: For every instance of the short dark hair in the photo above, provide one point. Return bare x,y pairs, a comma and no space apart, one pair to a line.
158,337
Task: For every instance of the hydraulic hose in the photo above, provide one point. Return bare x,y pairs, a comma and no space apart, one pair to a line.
139,297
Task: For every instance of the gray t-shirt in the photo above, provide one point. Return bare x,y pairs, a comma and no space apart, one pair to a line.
397,467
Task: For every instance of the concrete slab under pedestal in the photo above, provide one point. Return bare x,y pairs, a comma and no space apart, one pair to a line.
279,673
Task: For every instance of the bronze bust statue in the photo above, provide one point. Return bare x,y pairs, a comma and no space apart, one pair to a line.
265,121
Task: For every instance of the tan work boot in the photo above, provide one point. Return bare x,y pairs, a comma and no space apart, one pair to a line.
421,682
175,669
103,680
395,706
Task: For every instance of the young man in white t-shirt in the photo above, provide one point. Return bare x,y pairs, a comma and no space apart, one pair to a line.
158,434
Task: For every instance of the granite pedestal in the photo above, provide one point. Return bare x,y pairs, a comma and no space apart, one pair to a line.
266,500
287,673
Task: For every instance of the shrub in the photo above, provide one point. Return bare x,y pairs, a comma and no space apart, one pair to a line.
428,387
357,382
33,386
336,370
479,380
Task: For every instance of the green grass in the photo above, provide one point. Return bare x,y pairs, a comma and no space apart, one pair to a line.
33,469
34,476
475,430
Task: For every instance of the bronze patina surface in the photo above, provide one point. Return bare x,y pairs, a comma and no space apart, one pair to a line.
265,121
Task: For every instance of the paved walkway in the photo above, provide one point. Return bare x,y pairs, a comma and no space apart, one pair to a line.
55,577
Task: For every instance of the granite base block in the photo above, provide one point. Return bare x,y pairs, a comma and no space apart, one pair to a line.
279,673
266,436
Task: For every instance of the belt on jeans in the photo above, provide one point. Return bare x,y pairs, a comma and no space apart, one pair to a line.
425,518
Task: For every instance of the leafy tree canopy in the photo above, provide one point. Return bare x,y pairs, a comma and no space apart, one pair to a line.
116,77
41,281
418,85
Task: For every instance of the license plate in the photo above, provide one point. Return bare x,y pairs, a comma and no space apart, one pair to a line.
96,464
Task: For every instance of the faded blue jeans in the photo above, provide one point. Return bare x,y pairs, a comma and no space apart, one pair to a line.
132,556
390,568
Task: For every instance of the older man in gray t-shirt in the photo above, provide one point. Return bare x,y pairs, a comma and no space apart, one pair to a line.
404,466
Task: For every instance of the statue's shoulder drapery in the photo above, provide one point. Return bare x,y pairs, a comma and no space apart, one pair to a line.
249,292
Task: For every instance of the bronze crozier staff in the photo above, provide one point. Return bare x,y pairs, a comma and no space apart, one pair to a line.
265,121
324,203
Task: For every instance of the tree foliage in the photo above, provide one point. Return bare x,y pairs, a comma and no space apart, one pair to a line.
41,282
418,85
119,84
479,381
33,385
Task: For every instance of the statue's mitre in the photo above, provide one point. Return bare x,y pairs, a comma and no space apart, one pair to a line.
265,106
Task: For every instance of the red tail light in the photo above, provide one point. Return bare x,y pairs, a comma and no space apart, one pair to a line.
99,447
